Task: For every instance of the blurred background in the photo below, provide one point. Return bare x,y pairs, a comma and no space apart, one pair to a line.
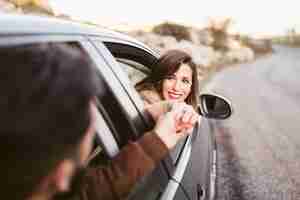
253,44
216,33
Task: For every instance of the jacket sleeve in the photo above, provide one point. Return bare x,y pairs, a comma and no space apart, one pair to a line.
116,180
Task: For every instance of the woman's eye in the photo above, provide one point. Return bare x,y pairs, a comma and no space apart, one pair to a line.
186,81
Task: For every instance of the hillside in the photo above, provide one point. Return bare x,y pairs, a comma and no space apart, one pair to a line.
212,48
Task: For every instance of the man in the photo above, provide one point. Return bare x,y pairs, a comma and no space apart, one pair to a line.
48,117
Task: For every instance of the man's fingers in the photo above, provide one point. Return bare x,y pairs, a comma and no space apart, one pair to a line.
158,109
185,130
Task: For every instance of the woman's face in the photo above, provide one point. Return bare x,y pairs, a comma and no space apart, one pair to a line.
178,86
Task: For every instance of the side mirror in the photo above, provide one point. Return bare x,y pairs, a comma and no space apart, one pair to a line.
214,106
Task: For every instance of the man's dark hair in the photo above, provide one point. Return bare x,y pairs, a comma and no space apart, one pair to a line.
44,111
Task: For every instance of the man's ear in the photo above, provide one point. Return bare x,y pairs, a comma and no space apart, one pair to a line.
62,175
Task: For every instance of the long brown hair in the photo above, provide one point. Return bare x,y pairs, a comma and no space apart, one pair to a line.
167,65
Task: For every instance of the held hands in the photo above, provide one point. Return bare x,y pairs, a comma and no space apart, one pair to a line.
186,117
159,108
173,125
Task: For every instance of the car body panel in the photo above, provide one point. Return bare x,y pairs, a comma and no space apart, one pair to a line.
38,25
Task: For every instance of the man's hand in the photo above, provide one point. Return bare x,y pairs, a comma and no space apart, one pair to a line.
176,123
159,108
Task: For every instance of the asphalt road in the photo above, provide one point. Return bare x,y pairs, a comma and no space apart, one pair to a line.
259,146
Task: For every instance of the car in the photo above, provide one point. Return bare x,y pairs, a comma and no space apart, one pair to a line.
189,171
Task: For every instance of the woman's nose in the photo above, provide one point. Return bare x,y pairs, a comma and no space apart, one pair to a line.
177,85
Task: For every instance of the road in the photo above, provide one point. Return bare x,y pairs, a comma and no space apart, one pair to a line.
259,146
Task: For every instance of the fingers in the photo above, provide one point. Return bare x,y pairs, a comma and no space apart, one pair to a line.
180,109
185,131
159,108
185,113
165,128
187,116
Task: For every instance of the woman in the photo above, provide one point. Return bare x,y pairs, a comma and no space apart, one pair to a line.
173,78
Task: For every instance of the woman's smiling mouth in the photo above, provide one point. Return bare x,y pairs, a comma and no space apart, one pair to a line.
174,95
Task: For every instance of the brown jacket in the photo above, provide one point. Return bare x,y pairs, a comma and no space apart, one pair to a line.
115,181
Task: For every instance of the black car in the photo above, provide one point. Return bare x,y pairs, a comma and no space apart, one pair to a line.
189,172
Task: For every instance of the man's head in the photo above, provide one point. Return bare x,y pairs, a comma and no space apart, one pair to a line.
46,118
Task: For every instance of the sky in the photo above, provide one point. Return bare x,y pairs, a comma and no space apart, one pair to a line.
256,17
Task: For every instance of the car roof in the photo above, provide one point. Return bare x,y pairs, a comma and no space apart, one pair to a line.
17,24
